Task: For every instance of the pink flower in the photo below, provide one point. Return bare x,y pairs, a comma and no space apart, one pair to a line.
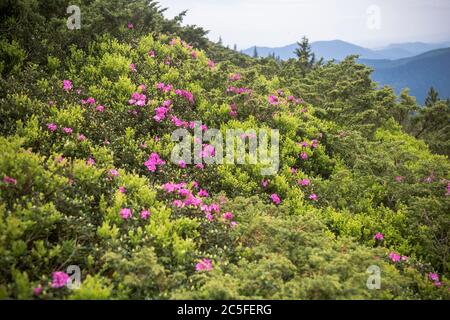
52,127
437,284
314,197
304,182
178,204
433,277
314,144
90,161
233,224
200,166
133,67
273,100
265,183
304,156
122,190
399,178
211,64
235,77
125,213
275,198
67,85
145,214
395,257
68,130
38,290
160,114
293,170
9,180
228,216
59,279
130,25
89,100
113,173
81,137
100,108
153,161
194,54
304,144
204,265
152,54
379,236
203,193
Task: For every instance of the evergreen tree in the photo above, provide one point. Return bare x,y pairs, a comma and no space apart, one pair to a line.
433,97
255,53
306,58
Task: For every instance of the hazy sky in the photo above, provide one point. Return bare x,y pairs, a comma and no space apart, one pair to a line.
371,23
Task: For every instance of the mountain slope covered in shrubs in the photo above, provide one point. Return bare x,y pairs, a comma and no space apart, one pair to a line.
87,180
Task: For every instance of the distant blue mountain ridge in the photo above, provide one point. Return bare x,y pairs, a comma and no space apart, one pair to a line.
415,65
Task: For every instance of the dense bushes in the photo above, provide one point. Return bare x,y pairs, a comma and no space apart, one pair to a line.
87,181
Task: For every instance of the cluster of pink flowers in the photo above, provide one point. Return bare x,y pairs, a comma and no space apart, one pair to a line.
137,99
304,182
233,110
113,173
90,101
304,155
395,257
125,213
153,161
130,25
133,67
239,90
211,64
161,111
204,265
185,94
379,236
59,279
314,144
314,197
152,54
235,77
67,85
273,100
275,199
9,180
434,277
52,127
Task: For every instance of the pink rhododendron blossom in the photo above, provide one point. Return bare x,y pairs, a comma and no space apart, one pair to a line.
52,127
399,178
133,67
68,131
433,276
194,54
203,193
395,257
130,25
293,170
67,85
265,183
304,182
228,216
437,284
90,161
100,108
200,166
235,77
137,99
314,144
145,214
89,101
273,100
81,137
125,213
304,156
233,224
113,173
379,236
153,161
59,279
211,64
314,197
160,114
182,164
122,190
275,198
38,290
152,54
304,144
9,180
204,265
178,204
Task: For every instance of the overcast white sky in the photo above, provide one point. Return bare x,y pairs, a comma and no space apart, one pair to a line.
281,22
